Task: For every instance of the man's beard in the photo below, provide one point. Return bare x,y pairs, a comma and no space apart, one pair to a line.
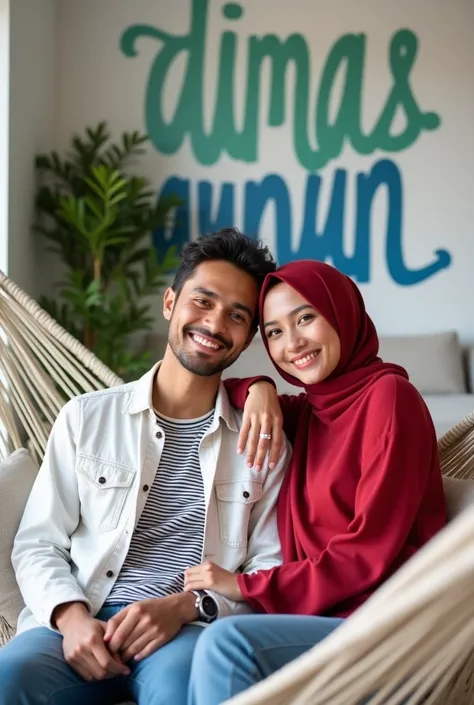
196,363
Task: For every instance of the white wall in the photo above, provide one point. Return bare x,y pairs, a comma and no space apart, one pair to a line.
97,81
4,120
33,112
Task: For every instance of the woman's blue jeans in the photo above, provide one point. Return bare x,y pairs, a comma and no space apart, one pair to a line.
237,652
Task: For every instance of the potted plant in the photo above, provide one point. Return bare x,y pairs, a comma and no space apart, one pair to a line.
98,218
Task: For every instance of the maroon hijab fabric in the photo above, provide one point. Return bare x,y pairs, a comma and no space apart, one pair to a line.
363,491
339,301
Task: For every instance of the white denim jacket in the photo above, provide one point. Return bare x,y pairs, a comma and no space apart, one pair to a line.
103,451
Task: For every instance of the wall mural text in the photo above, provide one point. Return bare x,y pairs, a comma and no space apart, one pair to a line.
318,138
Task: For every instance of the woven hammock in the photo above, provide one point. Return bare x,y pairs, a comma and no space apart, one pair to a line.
412,642
41,367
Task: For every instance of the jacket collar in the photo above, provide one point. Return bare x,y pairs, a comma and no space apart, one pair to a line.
141,399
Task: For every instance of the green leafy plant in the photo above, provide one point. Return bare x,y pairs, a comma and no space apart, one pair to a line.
98,218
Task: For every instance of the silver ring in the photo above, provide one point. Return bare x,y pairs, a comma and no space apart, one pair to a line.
266,436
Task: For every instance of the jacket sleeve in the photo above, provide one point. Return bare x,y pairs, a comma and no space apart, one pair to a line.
41,557
291,404
264,549
391,487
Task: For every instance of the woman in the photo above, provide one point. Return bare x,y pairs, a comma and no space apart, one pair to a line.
362,494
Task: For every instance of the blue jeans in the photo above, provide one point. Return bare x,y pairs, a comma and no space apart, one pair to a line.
237,652
33,672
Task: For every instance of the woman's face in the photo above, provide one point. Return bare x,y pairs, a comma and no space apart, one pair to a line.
300,340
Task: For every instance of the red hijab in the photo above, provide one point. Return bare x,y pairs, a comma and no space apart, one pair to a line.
363,491
340,302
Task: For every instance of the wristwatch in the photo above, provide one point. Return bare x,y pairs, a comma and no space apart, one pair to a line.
206,606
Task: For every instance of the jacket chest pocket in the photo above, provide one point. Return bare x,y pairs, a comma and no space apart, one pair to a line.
234,504
103,489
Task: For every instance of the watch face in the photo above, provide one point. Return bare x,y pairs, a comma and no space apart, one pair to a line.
209,606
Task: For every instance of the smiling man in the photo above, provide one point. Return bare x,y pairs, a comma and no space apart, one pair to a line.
138,482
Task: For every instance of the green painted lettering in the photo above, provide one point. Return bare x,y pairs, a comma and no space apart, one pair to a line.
330,135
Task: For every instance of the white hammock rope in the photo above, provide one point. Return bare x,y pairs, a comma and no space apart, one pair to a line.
9,437
456,449
41,367
412,642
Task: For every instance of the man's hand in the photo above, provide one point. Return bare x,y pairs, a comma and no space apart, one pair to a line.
209,576
83,644
141,628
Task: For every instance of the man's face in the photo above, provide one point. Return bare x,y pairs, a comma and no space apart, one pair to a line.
211,318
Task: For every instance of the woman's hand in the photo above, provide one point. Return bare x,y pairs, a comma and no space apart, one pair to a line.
262,416
209,576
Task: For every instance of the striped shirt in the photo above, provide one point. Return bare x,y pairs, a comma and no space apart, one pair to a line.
170,532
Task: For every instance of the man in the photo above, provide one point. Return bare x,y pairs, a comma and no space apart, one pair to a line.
138,482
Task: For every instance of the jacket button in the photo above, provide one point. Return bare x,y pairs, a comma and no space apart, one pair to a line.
110,574
145,488
246,494
158,434
102,480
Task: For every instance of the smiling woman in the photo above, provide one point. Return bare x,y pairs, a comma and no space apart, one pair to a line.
300,340
363,442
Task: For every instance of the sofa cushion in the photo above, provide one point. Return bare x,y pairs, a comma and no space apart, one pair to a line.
434,362
448,409
17,474
459,495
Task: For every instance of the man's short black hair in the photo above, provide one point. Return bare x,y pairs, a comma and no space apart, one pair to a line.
227,245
